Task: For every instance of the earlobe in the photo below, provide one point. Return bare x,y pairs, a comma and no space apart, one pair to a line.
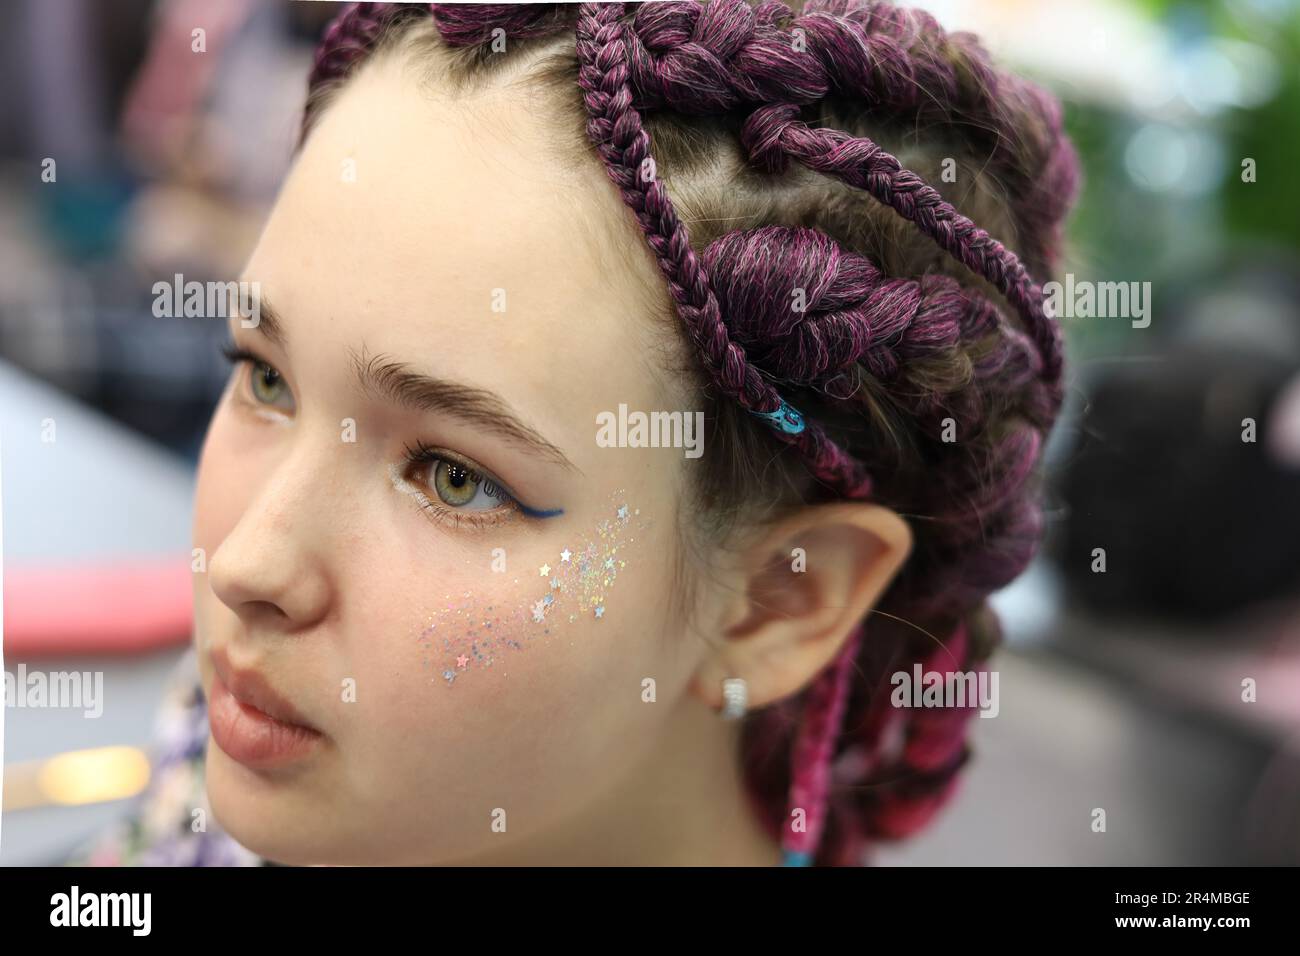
808,581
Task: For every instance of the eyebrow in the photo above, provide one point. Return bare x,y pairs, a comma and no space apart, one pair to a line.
397,382
268,322
385,378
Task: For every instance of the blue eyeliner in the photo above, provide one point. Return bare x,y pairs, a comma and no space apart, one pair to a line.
534,513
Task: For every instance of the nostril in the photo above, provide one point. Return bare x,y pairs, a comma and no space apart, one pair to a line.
265,610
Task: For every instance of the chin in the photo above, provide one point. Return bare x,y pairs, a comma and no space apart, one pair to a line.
291,823
276,820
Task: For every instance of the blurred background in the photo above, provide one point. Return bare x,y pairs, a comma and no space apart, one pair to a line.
1152,664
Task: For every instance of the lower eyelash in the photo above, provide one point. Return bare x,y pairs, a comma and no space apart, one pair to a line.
475,519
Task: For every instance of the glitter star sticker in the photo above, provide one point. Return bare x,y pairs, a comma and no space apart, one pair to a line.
462,662
600,611
565,555
544,570
622,513
539,611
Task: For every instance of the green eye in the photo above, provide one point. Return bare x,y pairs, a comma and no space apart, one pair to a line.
459,486
266,383
454,483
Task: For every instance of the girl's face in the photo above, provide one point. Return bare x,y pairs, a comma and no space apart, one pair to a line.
413,537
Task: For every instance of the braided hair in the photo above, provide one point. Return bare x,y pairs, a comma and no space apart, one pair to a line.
922,372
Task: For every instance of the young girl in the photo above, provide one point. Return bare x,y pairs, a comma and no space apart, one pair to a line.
635,390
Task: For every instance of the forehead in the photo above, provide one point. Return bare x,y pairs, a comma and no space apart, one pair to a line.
452,234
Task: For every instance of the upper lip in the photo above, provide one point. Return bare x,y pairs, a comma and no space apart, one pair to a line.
249,687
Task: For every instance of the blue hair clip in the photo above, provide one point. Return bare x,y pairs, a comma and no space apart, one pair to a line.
786,418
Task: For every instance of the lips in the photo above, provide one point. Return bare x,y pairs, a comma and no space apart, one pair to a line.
252,723
251,689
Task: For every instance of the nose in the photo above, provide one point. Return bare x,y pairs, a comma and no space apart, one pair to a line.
271,569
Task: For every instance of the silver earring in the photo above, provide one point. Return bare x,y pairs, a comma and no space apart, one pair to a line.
735,696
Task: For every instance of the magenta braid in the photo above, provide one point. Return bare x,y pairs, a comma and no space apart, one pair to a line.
471,24
348,39
810,775
934,747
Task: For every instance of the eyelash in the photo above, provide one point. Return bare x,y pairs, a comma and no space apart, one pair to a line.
421,454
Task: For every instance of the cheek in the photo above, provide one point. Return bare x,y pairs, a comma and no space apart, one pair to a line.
488,694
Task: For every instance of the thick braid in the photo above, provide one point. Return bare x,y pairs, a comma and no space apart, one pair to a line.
708,69
728,54
854,316
615,128
857,317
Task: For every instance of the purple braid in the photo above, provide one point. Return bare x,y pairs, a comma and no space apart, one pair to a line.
348,39
856,316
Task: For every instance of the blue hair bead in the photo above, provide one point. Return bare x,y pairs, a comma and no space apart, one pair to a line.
796,858
786,418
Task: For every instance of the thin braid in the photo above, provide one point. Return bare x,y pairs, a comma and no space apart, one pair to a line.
773,134
616,130
810,762
974,97
349,38
720,56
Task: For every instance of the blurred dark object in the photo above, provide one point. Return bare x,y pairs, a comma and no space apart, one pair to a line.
135,155
1194,519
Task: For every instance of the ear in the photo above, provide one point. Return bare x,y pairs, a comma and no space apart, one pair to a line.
801,588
